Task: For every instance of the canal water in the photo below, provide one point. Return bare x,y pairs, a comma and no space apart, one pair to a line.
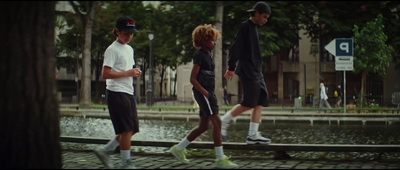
287,133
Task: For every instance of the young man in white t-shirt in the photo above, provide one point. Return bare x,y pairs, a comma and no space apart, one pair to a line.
119,70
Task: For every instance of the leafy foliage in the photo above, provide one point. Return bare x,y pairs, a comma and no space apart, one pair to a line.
371,54
279,34
391,15
174,21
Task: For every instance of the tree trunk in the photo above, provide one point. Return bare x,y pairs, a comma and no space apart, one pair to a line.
98,69
218,52
163,69
363,88
86,89
29,123
175,78
143,91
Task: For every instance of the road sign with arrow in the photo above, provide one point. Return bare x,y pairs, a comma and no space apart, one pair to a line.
342,49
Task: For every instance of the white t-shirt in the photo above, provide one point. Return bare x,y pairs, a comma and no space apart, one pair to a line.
323,93
120,57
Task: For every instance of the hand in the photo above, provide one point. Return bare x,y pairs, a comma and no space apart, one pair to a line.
228,75
207,95
136,72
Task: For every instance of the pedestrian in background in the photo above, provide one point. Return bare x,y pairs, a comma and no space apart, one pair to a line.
246,50
323,98
226,96
338,95
119,70
202,78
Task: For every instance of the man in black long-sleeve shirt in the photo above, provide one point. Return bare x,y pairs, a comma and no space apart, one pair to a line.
246,50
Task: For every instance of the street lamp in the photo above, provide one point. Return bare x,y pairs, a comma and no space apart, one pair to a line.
149,98
151,36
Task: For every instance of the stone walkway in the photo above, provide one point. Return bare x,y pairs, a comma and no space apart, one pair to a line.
83,159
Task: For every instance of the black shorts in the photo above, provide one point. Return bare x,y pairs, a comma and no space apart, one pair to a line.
208,106
254,93
123,113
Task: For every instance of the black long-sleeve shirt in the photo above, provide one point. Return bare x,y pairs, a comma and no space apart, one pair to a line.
246,49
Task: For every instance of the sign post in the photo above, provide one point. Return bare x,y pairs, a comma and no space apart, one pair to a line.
342,49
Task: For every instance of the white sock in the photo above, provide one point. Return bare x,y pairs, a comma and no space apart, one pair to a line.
219,152
112,144
125,154
253,128
183,144
227,117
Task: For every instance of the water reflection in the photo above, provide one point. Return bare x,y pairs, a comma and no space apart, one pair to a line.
299,133
102,128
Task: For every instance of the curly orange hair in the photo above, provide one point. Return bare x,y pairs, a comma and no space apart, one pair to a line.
204,33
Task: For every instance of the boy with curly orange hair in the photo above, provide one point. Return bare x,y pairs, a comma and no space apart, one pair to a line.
202,78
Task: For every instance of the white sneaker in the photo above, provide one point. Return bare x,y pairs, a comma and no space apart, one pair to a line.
257,139
127,164
224,128
102,154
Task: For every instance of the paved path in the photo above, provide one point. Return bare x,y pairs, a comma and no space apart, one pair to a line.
87,160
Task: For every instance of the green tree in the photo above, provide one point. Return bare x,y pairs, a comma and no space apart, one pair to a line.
279,34
103,24
371,53
391,13
177,20
335,19
183,17
281,31
326,20
163,44
85,12
29,124
68,42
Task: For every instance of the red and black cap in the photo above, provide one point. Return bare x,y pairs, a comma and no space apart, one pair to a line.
126,24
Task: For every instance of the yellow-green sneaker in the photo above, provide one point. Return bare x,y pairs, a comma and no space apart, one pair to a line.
179,154
225,163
